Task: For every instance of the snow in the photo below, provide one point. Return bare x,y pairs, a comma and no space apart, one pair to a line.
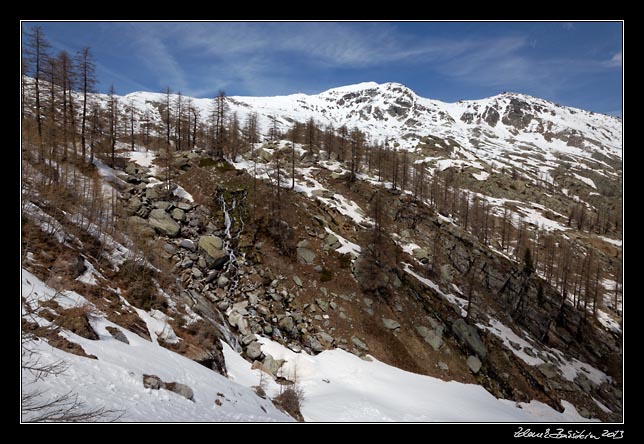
455,300
347,247
534,216
507,335
181,193
142,158
89,275
616,242
114,380
585,180
483,175
340,387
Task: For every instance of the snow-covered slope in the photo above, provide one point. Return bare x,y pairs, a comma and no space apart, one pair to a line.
339,386
114,381
394,112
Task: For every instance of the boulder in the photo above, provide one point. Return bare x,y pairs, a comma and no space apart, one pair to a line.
548,369
248,339
162,205
332,241
254,350
390,324
432,337
305,255
474,364
180,389
117,334
188,245
271,365
421,254
222,281
286,323
133,205
152,382
325,338
178,215
322,304
163,223
358,343
213,247
315,345
170,249
468,335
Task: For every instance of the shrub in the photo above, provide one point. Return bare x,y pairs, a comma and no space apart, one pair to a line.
326,275
140,288
289,401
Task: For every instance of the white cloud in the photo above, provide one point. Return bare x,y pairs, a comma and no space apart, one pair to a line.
615,61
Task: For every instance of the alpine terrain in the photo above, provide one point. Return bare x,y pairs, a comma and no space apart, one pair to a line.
363,254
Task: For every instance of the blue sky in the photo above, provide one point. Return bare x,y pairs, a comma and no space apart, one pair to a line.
572,63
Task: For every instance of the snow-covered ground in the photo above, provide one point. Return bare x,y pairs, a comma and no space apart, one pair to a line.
339,386
115,380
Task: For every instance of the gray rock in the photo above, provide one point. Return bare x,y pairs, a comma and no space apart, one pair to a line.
315,345
248,339
163,223
305,255
333,305
196,273
469,336
271,365
528,351
443,366
118,335
343,315
358,343
152,382
332,241
474,364
390,324
201,262
212,275
178,215
151,193
368,301
184,206
240,307
180,389
584,382
325,337
187,263
133,205
162,205
548,369
188,245
322,304
170,249
432,337
252,299
243,327
421,254
130,169
297,281
222,281
286,323
213,247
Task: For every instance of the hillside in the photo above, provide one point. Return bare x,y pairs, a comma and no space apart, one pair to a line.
468,250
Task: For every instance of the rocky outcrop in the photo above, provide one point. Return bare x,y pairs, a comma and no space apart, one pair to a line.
469,336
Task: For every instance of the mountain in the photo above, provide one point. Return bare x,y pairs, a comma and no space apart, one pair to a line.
476,255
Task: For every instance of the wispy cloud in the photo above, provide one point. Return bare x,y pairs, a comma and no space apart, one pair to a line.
615,61
261,58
